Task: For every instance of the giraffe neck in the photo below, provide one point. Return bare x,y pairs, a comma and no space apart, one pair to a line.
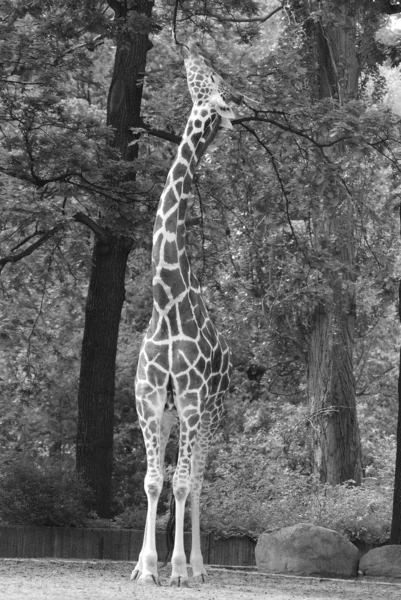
170,265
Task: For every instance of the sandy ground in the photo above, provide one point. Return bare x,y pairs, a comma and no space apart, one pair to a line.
39,579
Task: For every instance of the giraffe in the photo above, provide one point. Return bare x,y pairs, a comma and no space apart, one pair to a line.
184,363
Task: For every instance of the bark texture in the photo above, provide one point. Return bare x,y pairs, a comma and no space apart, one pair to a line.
395,534
125,93
331,386
94,449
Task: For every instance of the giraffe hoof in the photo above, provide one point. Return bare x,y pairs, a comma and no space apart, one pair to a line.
146,580
200,579
179,582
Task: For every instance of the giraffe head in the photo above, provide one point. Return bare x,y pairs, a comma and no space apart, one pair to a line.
208,87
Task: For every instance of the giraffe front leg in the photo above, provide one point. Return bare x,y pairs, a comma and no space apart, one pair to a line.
155,431
136,573
179,574
145,571
146,567
197,468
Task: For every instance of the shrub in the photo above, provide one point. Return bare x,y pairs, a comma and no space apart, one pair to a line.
361,513
132,519
42,493
252,489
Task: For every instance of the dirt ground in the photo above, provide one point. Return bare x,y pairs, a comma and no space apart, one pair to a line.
40,579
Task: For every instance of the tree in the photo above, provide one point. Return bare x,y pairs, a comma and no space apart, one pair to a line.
332,34
267,227
48,143
56,145
55,92
95,427
395,534
110,254
321,160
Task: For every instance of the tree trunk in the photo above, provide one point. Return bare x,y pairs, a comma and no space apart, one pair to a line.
395,535
331,386
125,93
96,386
94,450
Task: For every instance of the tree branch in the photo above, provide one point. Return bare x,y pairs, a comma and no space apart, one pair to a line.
26,240
80,217
252,19
13,258
160,133
222,19
279,179
38,181
294,130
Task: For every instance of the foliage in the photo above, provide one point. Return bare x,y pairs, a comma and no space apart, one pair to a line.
253,239
132,519
42,493
282,494
39,353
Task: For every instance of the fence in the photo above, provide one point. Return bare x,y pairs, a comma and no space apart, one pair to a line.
19,541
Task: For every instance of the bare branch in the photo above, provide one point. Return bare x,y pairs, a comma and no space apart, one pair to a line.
294,130
160,133
13,258
252,19
222,19
26,240
80,217
279,179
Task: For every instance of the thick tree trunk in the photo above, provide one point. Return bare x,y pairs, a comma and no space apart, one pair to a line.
125,93
395,535
331,386
94,451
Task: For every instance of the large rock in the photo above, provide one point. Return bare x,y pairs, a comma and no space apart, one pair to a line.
306,549
382,562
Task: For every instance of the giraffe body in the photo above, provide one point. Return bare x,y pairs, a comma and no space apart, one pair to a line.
184,363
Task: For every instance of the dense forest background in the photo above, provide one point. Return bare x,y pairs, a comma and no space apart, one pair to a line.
293,232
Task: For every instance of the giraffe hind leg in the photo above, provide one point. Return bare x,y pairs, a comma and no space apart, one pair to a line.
181,490
198,461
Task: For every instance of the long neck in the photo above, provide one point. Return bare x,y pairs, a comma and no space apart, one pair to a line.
170,266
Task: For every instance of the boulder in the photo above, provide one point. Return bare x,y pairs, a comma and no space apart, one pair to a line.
306,549
382,562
